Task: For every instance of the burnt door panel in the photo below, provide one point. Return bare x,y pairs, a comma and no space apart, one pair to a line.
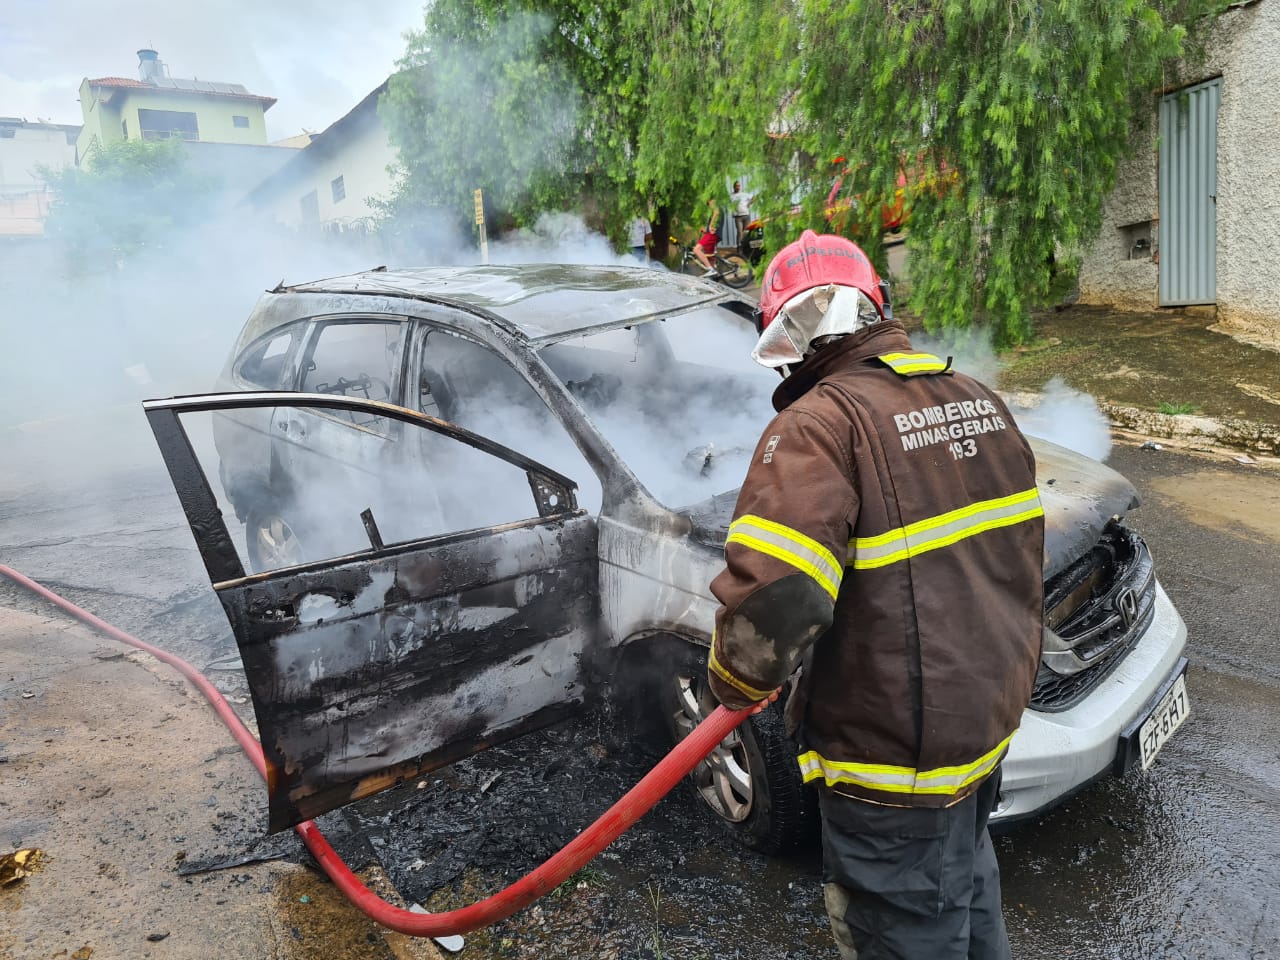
372,671
403,654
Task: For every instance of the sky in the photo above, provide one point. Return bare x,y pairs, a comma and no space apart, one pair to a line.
318,58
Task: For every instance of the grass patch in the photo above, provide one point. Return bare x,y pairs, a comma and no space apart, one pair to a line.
584,879
1174,409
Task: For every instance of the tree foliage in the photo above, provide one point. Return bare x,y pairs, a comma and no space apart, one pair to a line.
1006,119
126,198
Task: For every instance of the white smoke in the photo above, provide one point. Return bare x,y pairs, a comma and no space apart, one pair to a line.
1064,416
1058,413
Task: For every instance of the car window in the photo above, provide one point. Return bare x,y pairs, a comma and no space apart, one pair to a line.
263,363
297,484
355,359
466,383
679,399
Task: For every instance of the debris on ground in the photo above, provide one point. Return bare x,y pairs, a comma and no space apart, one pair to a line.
1245,459
1152,445
19,865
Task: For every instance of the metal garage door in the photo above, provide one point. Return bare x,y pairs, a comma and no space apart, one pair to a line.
1188,194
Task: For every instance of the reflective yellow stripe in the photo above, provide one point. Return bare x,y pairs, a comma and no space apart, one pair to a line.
789,546
913,362
944,529
720,671
946,781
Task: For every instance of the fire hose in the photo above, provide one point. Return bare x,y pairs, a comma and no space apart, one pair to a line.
634,804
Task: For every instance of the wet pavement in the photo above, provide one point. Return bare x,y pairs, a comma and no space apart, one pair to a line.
1177,862
1180,861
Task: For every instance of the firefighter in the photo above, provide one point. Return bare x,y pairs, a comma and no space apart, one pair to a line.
885,554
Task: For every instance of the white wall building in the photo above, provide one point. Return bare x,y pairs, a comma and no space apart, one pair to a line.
25,147
330,182
1194,219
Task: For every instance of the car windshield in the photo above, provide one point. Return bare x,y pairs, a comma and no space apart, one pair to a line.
679,399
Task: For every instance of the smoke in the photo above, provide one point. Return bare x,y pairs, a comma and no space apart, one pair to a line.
1059,413
1066,417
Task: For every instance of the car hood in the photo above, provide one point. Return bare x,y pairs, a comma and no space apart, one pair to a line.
1080,496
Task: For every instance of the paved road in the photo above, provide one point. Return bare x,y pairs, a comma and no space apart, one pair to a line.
1183,861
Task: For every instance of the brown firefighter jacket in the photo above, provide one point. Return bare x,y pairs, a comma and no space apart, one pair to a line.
889,531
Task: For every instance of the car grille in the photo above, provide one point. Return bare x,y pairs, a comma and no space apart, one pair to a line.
1095,611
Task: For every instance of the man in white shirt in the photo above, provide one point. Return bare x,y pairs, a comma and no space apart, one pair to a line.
741,208
639,235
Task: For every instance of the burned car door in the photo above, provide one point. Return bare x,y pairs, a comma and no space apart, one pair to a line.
419,646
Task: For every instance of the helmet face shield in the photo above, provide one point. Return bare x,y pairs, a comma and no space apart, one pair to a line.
828,310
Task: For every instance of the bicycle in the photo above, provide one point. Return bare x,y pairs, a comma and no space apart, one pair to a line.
731,270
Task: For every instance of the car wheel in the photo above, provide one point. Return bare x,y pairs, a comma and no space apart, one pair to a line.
750,780
270,539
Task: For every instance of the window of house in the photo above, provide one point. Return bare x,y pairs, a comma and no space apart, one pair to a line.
168,124
240,122
124,128
339,189
310,207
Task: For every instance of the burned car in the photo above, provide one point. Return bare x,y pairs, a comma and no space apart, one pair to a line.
443,508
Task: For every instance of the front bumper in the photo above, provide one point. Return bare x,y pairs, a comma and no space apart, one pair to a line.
1053,755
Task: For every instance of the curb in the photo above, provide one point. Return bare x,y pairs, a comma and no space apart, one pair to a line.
1246,435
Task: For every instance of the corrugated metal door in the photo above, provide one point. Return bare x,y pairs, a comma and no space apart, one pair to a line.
1188,233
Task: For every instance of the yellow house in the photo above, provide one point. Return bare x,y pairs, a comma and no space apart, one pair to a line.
158,107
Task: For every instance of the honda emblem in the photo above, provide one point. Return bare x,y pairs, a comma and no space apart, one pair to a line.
1127,607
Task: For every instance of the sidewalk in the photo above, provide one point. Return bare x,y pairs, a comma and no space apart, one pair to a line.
1161,374
143,808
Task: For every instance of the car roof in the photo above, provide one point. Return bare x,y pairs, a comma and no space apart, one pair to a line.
541,302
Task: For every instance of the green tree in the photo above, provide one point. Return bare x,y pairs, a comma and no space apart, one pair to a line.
1006,120
605,107
488,96
126,198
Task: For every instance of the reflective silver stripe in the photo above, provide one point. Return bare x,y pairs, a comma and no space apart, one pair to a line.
906,363
945,781
789,546
944,529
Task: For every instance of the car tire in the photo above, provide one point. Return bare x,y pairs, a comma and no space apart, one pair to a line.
751,781
270,539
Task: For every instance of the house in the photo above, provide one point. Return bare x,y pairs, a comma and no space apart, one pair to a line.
330,182
1192,220
159,107
222,125
25,147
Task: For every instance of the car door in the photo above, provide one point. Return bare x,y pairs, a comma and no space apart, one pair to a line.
379,660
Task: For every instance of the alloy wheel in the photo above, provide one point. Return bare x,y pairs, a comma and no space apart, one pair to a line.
723,779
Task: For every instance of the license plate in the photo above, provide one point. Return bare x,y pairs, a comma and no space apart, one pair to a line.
1170,713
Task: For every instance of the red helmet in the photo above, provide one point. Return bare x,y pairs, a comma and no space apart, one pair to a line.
820,286
816,261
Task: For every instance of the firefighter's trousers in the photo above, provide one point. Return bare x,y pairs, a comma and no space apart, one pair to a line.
901,884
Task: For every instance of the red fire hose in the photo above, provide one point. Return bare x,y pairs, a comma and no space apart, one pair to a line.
635,803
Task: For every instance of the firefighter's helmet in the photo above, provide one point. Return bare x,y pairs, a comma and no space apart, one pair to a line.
817,287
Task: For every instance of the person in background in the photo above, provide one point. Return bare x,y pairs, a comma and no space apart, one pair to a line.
887,541
741,201
639,237
705,248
